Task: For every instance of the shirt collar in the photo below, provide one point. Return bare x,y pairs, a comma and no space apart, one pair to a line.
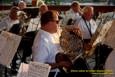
46,33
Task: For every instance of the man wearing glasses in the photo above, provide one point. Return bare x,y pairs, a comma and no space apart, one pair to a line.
46,44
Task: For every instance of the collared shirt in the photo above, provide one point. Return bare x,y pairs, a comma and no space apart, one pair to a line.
84,29
45,47
7,23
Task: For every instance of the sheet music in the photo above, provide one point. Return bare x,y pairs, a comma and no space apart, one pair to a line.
8,46
104,17
23,70
110,37
34,69
100,33
37,69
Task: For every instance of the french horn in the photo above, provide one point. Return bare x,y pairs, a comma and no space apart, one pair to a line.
71,43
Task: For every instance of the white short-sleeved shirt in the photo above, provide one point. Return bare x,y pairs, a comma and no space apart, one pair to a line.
83,27
45,47
7,23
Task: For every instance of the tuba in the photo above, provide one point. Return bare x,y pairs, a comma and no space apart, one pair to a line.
71,42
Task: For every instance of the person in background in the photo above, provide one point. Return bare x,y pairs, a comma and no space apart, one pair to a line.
73,13
22,5
11,24
87,27
43,8
86,24
39,2
46,44
35,22
7,22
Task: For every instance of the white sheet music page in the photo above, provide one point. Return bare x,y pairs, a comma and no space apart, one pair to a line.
37,69
8,46
23,70
101,35
110,37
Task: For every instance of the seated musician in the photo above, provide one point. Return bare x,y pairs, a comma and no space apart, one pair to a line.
35,22
73,13
8,22
11,23
22,5
46,43
86,24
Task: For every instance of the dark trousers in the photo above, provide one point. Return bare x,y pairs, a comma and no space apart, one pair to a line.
59,74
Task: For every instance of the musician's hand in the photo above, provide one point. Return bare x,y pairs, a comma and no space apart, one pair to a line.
64,64
87,46
77,31
74,29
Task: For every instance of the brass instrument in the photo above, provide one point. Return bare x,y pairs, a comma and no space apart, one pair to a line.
71,43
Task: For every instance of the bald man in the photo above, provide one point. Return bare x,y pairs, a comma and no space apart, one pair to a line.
87,27
86,24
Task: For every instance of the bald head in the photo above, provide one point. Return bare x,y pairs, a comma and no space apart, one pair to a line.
88,12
